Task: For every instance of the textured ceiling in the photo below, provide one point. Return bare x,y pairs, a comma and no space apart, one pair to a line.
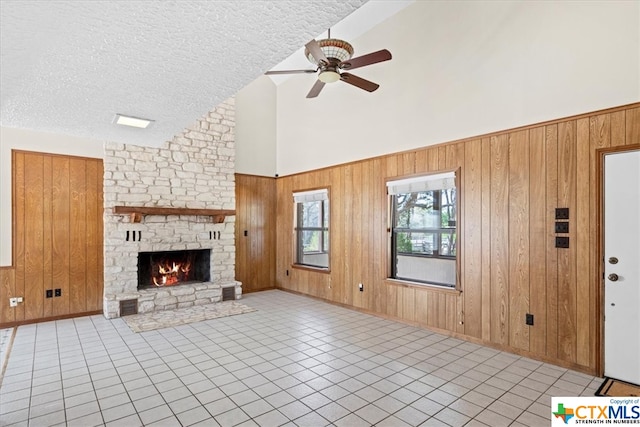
68,66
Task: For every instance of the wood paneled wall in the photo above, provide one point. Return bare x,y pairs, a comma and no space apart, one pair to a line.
255,215
512,182
57,237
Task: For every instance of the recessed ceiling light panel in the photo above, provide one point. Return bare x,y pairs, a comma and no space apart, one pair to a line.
135,122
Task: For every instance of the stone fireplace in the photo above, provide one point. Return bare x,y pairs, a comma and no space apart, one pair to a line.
181,186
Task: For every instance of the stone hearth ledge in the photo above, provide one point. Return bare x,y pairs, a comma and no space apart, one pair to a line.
170,297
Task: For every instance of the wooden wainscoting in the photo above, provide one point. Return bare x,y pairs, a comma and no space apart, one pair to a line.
57,237
512,182
7,290
255,216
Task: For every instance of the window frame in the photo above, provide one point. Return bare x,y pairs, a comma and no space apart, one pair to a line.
299,229
392,231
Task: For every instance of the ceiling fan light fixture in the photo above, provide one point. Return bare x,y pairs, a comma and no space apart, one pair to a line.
337,49
329,76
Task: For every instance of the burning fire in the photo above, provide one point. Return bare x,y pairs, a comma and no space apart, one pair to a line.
171,273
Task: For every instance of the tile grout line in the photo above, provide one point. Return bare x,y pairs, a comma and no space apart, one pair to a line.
119,375
7,353
87,364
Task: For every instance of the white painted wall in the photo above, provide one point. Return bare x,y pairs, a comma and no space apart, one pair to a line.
20,139
256,128
461,69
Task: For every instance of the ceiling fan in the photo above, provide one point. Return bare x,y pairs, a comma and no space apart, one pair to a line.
331,56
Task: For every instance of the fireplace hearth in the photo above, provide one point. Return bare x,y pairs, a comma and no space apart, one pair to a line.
173,268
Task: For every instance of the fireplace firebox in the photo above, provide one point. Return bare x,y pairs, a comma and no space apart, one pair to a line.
172,268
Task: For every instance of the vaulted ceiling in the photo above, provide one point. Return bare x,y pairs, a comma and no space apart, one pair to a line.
68,66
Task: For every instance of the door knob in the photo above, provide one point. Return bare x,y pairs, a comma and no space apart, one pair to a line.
613,260
613,277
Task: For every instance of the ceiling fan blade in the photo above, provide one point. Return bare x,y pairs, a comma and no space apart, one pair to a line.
315,90
273,72
368,59
359,82
314,49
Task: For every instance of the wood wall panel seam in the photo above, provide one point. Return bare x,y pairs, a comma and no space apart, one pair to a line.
584,282
551,282
537,239
519,250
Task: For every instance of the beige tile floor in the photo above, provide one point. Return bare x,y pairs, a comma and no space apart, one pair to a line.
295,361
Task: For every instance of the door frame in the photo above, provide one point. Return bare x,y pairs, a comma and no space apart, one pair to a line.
599,259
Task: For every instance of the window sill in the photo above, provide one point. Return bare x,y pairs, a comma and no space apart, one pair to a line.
324,270
418,285
419,255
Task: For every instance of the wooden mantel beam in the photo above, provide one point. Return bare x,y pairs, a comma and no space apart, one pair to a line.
137,212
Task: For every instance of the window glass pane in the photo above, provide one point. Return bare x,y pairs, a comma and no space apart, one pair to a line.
312,231
435,271
325,211
413,242
424,239
311,240
416,210
316,259
448,200
311,214
448,244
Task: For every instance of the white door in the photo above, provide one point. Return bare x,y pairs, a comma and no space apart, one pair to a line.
622,266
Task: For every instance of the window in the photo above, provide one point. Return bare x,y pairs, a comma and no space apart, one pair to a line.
423,229
312,228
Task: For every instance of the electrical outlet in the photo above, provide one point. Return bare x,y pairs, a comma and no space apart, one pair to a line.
360,287
562,213
562,227
49,293
529,319
58,292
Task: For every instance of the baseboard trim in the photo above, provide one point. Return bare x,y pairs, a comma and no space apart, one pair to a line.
250,291
48,319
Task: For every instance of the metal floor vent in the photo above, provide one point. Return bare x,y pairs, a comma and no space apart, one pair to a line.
128,307
229,293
